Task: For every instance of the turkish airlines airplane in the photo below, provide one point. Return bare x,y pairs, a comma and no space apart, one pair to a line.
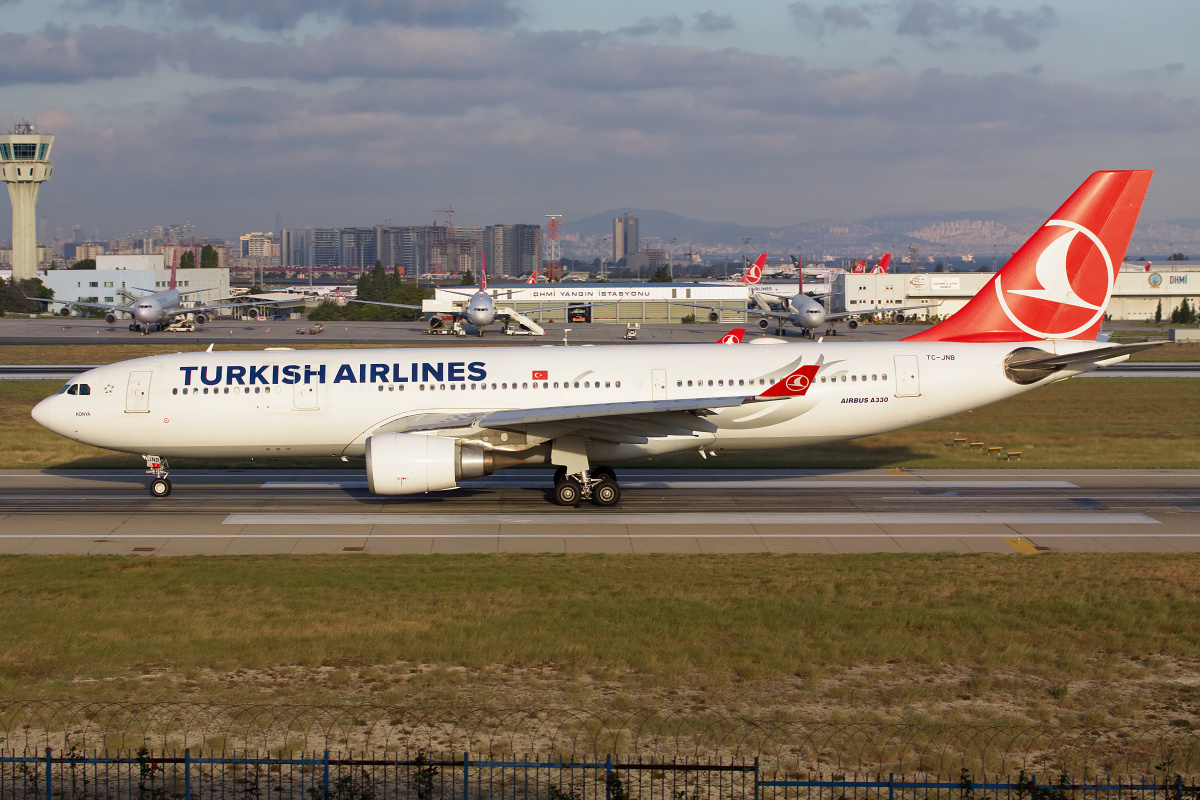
424,419
157,309
479,307
799,310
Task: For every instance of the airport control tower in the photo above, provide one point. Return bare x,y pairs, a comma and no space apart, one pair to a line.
24,164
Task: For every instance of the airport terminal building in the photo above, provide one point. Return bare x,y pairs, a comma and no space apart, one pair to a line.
1136,296
119,279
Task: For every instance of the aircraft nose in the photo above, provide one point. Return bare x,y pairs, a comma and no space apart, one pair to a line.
43,414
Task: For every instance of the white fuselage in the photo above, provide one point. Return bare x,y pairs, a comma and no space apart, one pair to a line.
326,403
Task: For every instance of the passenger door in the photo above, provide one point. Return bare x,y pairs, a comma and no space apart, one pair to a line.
137,395
908,381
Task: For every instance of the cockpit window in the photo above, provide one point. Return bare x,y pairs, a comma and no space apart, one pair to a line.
76,388
65,388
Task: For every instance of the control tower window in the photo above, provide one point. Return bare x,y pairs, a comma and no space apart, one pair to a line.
23,151
5,152
42,151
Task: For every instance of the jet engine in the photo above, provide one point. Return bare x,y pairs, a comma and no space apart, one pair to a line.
764,323
65,311
436,323
413,463
899,318
714,316
200,319
252,312
852,324
110,319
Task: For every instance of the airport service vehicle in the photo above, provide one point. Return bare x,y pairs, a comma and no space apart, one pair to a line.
156,310
424,419
800,310
477,309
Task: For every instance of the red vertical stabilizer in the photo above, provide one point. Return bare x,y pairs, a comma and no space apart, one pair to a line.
1058,284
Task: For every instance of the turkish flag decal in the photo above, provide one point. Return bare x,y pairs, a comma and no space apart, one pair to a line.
540,375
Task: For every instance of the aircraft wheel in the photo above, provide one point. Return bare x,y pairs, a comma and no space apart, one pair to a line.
160,487
566,492
605,472
606,493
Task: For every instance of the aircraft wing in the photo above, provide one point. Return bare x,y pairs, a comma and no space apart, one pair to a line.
629,422
394,305
104,306
220,307
752,311
863,311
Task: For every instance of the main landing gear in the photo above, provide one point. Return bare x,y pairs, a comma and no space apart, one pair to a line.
157,466
598,485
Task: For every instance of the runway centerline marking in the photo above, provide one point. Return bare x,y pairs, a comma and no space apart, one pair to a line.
753,518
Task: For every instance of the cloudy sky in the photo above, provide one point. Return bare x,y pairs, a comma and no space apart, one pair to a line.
353,112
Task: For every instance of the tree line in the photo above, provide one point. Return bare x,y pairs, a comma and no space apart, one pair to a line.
382,285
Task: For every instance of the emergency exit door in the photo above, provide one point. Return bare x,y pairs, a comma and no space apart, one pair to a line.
908,381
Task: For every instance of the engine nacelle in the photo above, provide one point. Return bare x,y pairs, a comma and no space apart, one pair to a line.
65,311
852,324
413,463
110,319
899,318
252,312
200,319
764,323
714,316
436,323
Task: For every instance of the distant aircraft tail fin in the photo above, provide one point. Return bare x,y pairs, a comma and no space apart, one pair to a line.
1058,285
882,266
482,272
174,264
533,277
754,271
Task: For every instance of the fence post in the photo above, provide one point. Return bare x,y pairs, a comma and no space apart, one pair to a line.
466,762
756,778
187,773
326,795
1179,787
49,782
891,786
607,759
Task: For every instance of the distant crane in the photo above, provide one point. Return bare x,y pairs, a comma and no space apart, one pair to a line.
553,251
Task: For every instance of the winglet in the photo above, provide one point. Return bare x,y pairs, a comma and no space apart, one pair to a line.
1058,285
794,385
735,336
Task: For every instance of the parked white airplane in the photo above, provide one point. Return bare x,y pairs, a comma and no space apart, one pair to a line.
479,309
800,310
426,418
155,310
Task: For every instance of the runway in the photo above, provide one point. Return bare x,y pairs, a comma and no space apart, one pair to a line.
694,511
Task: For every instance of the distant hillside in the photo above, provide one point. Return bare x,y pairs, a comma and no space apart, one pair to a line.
936,233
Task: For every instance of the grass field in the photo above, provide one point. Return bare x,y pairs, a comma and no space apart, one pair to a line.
1118,423
1057,638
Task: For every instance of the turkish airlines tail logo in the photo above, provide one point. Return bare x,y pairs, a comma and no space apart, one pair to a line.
882,266
533,277
754,271
1059,283
794,385
735,336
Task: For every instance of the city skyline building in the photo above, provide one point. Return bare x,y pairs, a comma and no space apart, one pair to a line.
625,236
25,165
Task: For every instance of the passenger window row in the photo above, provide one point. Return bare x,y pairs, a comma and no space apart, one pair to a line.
855,378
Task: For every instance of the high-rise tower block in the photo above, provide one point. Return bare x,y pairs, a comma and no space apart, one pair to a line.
24,165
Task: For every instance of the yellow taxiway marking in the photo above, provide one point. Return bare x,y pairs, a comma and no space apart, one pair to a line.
1020,545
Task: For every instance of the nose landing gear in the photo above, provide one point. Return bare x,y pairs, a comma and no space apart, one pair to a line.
157,466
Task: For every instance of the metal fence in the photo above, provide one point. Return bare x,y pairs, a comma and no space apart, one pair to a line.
144,775
784,745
